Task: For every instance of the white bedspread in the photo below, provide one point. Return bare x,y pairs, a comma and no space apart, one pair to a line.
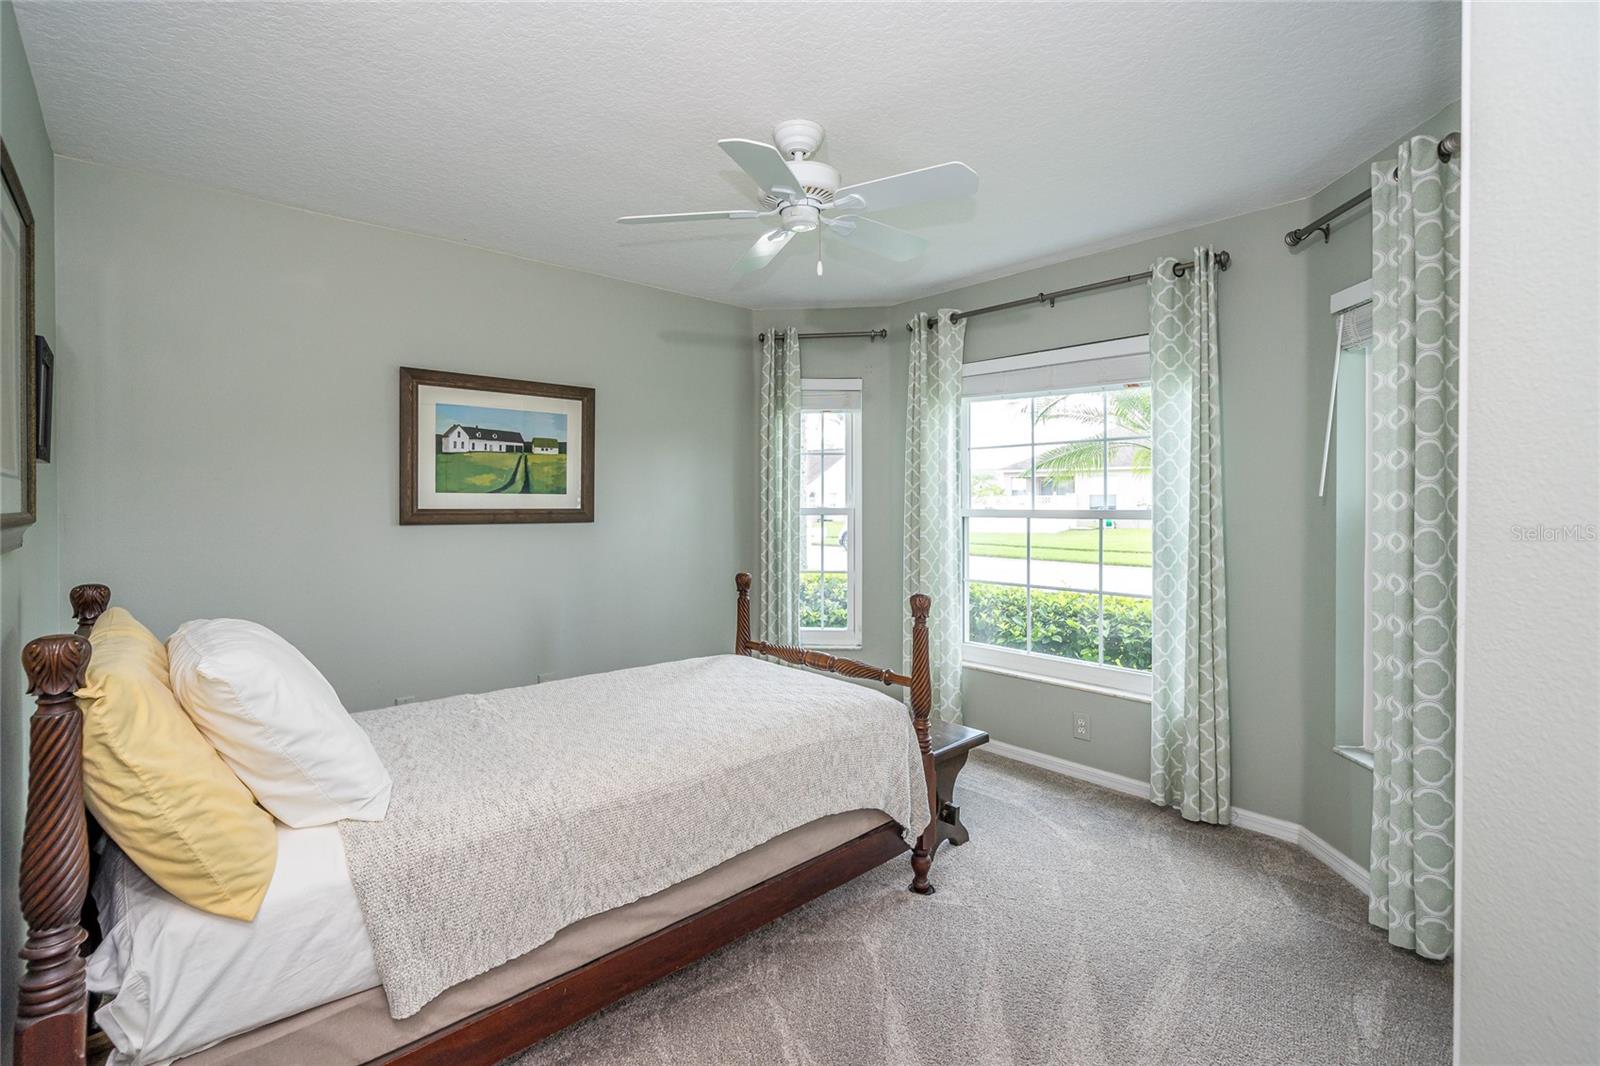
182,979
519,812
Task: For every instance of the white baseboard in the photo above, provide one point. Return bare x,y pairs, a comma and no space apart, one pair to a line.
1293,832
1131,786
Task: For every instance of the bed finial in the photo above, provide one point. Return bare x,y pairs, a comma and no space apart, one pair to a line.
920,603
89,602
741,631
54,876
921,707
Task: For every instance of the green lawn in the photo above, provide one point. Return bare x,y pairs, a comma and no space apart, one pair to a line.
548,473
1124,547
490,471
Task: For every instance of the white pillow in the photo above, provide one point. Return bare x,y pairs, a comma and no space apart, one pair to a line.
277,723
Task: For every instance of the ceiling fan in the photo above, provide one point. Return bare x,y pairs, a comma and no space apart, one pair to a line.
805,196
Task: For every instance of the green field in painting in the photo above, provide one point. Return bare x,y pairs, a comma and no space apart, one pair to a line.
502,472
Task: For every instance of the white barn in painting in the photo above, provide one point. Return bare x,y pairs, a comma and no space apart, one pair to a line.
460,438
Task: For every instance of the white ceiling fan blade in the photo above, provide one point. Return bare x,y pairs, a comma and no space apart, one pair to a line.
761,253
947,181
764,163
687,216
878,238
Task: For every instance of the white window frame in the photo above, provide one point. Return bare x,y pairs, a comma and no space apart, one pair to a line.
849,637
1098,677
1349,299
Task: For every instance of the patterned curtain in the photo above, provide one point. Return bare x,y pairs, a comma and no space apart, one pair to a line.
1189,765
1411,545
933,506
781,543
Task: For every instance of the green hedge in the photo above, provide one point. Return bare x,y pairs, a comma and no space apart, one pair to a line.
824,604
1064,623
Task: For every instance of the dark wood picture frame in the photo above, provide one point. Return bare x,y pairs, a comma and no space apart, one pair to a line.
44,397
413,515
13,523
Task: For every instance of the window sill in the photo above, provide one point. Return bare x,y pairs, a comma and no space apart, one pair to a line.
1059,682
1355,753
820,641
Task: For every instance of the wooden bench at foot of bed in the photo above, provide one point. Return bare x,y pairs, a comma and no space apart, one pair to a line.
52,1003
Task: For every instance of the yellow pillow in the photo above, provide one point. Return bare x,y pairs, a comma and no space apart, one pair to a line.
158,787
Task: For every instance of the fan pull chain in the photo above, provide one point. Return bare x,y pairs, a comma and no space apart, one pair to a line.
819,251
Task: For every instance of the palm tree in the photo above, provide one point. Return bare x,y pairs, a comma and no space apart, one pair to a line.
1129,408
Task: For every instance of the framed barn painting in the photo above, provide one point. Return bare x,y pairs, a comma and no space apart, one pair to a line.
477,449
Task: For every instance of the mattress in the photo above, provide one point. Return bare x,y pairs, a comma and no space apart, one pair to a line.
299,984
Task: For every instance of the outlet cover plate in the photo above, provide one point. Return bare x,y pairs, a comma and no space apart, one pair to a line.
1080,727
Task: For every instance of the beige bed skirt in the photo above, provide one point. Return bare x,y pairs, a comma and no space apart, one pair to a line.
357,1029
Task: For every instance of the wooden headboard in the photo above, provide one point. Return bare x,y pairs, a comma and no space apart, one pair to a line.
52,1005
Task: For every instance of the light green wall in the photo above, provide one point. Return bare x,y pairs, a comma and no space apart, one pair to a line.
1276,344
228,432
30,586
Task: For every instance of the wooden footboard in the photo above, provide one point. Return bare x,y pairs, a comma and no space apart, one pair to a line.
919,682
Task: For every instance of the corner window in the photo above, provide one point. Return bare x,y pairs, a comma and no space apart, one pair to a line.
830,581
1056,516
1345,474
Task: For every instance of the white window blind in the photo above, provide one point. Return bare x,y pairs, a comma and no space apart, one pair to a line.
1355,326
831,394
1083,366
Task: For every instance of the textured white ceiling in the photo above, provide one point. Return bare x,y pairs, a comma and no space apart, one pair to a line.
528,128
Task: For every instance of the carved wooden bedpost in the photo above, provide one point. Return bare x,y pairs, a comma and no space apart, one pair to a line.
741,630
51,998
921,707
89,602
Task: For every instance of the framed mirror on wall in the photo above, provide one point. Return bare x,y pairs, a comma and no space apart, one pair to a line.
18,454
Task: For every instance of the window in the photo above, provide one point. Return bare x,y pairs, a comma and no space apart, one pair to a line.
1057,514
1344,479
830,581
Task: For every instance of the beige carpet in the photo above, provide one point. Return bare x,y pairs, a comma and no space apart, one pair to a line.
1078,926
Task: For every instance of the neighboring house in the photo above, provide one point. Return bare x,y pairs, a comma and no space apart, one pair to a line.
460,438
544,446
1126,486
820,465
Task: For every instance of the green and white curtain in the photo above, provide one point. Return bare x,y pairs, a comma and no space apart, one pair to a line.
781,535
1411,544
1189,764
933,504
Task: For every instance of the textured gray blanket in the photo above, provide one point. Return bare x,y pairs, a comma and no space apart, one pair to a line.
519,812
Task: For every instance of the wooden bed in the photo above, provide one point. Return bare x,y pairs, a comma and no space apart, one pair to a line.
52,1001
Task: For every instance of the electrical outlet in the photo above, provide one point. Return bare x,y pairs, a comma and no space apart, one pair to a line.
1080,727
398,700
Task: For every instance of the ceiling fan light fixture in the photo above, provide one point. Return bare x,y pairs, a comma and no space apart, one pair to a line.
799,218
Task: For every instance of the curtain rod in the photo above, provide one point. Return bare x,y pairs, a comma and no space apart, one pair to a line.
1223,262
1449,147
870,334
